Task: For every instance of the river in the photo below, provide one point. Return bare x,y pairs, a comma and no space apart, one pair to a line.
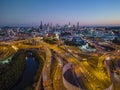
28,74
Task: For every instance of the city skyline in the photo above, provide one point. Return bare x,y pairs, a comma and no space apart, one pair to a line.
86,12
59,45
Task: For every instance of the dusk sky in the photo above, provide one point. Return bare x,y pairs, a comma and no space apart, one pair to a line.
87,12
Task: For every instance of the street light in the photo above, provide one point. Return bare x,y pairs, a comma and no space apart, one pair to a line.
118,51
108,58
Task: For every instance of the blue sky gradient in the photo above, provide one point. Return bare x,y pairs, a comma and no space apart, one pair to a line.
87,12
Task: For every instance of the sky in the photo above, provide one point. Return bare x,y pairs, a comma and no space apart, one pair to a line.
86,12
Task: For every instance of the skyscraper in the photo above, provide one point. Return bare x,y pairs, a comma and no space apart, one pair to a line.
69,25
41,26
77,25
48,27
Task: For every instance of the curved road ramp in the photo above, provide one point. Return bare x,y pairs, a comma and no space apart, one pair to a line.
69,78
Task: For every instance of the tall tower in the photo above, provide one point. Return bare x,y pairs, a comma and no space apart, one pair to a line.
51,25
77,25
69,25
48,27
41,26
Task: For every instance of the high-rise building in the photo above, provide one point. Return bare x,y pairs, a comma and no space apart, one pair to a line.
78,25
41,26
51,25
48,27
45,26
69,25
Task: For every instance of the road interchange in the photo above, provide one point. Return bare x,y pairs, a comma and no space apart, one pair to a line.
91,78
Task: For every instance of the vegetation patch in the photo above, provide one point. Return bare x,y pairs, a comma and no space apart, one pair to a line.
11,72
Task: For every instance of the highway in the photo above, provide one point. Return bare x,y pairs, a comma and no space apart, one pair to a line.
90,78
6,52
93,78
47,82
57,80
